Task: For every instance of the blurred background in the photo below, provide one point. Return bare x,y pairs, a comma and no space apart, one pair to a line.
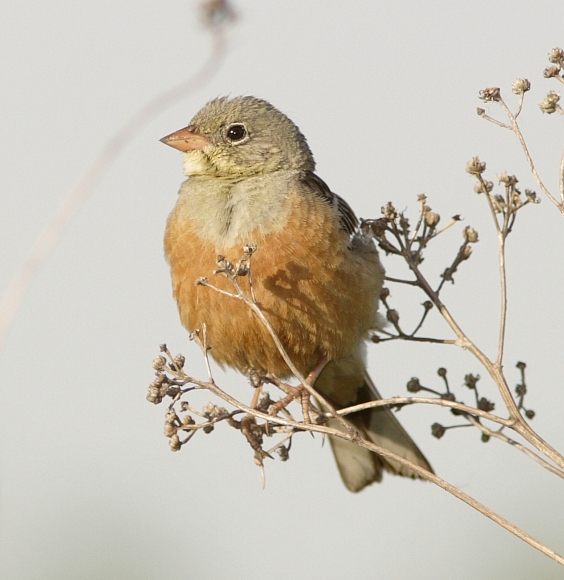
386,93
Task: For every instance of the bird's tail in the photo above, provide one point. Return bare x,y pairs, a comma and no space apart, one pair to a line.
357,465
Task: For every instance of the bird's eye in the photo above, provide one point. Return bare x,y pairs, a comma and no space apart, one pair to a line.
236,132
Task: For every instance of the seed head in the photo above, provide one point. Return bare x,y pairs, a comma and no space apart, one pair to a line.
413,385
507,179
549,104
551,71
389,211
521,86
393,316
159,363
531,196
556,55
174,443
485,405
470,235
432,219
487,186
475,167
490,94
437,430
471,380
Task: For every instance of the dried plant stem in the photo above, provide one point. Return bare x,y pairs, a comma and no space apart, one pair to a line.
419,222
463,497
400,281
490,204
503,306
538,442
411,338
469,414
520,104
494,370
393,401
517,130
517,445
212,387
452,222
561,178
495,121
416,330
205,350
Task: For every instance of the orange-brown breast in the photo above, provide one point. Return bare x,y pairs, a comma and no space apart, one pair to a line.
320,296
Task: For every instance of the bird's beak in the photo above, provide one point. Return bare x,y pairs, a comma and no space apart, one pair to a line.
186,140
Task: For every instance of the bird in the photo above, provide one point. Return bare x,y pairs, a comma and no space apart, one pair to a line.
251,179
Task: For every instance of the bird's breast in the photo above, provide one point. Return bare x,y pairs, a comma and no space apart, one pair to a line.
320,296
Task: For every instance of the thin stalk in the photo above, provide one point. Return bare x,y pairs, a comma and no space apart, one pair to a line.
516,129
423,473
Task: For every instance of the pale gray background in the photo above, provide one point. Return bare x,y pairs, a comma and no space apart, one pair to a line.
386,94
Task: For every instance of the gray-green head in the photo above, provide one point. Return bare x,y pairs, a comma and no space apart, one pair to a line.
241,137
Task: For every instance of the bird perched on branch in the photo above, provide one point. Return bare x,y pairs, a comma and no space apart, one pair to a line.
315,276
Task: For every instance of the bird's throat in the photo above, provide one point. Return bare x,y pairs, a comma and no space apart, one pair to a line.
228,213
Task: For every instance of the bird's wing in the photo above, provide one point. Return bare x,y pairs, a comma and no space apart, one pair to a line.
347,217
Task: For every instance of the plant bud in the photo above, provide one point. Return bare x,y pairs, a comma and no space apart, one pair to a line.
470,235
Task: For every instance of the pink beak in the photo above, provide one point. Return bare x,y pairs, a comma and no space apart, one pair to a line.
186,140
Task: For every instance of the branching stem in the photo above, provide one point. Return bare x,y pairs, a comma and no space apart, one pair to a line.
517,130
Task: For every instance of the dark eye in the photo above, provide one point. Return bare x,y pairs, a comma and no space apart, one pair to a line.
236,133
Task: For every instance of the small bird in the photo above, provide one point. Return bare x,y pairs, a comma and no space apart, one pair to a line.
251,179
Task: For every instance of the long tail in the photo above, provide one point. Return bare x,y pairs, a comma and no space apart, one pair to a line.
360,467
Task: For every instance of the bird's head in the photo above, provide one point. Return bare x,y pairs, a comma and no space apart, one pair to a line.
240,137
